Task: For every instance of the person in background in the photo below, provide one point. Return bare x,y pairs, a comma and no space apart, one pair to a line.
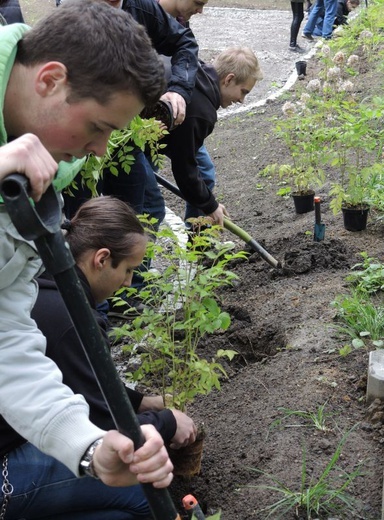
171,39
11,11
344,7
297,7
107,242
322,8
57,108
183,10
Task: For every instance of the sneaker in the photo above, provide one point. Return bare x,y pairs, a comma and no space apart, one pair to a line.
297,48
308,36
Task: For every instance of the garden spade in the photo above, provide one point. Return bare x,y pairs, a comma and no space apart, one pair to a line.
41,223
228,224
319,227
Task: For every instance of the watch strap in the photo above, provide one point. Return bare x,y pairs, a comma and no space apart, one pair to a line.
86,462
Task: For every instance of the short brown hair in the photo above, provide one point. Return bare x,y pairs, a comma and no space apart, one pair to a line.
104,50
104,222
240,61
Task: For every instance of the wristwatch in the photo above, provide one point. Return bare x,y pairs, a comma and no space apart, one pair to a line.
86,462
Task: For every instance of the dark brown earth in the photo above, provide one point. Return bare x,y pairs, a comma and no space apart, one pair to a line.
282,328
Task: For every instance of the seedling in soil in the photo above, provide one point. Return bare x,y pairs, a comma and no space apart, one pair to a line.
345,350
327,496
367,276
181,308
284,192
317,419
361,316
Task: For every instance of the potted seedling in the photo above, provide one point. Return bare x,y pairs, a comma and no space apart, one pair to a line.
355,138
299,129
181,307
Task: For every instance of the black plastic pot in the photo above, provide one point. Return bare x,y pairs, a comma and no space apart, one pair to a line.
301,67
355,219
304,202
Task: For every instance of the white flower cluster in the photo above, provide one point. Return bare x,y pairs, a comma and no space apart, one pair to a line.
314,85
353,61
339,58
365,35
289,109
334,74
345,86
326,50
304,98
334,81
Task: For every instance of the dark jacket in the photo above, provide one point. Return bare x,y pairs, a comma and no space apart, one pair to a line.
11,11
185,140
170,38
341,13
65,349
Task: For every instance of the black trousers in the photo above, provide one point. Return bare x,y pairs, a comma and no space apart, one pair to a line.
298,15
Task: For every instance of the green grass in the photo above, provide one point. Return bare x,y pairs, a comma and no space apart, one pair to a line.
359,317
325,496
318,419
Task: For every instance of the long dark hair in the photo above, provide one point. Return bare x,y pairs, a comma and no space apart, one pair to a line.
104,222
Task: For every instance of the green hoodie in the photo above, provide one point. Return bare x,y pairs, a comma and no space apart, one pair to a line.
9,37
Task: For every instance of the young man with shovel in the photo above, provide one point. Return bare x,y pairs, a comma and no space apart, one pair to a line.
61,96
230,77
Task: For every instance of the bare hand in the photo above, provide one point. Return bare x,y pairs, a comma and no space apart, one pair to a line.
186,430
117,464
218,215
178,106
26,155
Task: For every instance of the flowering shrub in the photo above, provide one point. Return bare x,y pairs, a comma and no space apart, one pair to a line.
330,127
301,131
